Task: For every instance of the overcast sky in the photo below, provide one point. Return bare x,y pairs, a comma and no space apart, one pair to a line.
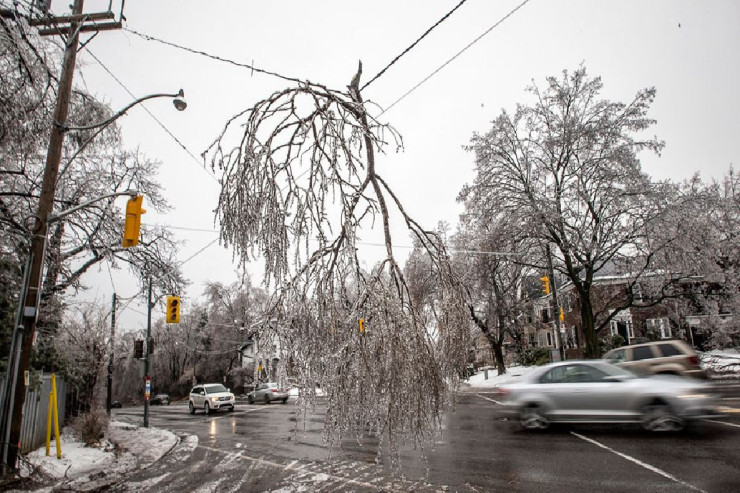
686,49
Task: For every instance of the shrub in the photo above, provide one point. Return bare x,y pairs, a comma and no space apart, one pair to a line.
91,427
533,356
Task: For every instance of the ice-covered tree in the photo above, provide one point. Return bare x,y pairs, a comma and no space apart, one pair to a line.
568,163
298,187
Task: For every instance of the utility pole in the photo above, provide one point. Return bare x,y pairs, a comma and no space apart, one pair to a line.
556,308
108,397
38,241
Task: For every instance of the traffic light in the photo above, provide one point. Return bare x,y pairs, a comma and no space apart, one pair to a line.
133,221
362,326
545,284
173,310
138,349
562,315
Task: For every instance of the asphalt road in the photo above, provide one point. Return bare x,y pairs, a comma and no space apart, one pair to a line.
273,448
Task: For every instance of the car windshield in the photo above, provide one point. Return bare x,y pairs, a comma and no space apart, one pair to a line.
212,389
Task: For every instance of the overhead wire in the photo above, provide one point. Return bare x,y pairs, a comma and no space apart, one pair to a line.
444,18
213,57
500,21
159,122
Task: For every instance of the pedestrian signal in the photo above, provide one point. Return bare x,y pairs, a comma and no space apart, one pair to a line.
173,310
138,349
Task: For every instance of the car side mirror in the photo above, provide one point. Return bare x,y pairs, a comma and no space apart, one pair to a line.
228,390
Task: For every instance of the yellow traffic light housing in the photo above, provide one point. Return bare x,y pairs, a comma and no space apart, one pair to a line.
173,310
133,221
362,326
545,284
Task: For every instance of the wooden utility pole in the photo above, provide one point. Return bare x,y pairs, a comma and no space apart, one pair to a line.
109,388
559,328
38,240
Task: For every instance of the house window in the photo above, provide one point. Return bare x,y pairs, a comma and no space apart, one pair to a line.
549,339
545,314
660,326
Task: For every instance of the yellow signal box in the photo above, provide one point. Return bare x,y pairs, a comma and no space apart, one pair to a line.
173,310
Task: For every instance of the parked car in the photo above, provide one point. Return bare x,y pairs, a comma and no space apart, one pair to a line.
598,392
210,397
659,357
268,392
160,400
116,404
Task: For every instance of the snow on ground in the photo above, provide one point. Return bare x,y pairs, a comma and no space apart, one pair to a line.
721,363
494,380
125,448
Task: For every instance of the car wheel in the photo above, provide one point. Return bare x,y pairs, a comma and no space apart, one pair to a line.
267,399
231,409
250,399
191,407
531,418
206,408
285,400
658,416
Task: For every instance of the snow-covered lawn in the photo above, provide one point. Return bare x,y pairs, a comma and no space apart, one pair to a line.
126,447
512,373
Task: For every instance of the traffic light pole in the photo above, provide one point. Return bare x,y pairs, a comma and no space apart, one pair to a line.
553,287
146,352
38,242
109,390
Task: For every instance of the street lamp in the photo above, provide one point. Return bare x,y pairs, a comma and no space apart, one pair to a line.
14,389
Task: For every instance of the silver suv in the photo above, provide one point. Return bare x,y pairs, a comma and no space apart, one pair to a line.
669,357
210,397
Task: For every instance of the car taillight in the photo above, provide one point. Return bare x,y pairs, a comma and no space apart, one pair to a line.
694,360
274,390
502,391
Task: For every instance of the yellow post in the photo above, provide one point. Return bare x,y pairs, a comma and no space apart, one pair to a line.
56,416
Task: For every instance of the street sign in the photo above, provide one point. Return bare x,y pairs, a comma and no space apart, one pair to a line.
148,390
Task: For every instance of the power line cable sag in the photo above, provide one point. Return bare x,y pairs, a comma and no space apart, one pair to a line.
213,57
159,122
413,44
455,56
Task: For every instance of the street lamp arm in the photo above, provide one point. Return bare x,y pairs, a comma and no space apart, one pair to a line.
179,104
56,217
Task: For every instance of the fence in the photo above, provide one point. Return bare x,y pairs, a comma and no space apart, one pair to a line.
33,431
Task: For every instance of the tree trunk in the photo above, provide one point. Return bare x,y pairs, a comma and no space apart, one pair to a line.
587,325
498,355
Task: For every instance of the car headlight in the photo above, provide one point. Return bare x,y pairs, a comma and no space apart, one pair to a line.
693,396
214,399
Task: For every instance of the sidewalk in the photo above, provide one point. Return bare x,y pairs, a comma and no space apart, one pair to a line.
125,448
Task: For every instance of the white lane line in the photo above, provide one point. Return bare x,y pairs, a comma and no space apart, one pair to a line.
723,423
638,462
488,398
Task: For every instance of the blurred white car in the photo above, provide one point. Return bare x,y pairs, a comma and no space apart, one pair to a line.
599,392
210,397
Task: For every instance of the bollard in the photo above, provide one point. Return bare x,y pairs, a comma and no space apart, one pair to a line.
485,373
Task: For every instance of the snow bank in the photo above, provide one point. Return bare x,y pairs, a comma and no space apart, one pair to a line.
125,448
721,364
494,380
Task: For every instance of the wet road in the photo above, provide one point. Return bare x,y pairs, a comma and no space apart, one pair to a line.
257,448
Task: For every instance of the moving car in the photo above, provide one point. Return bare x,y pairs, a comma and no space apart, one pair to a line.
268,392
598,392
210,397
160,400
116,404
668,357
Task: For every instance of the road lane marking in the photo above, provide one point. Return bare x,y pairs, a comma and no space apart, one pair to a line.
638,462
488,398
723,423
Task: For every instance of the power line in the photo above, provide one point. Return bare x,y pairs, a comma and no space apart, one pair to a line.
214,57
198,161
414,44
455,56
